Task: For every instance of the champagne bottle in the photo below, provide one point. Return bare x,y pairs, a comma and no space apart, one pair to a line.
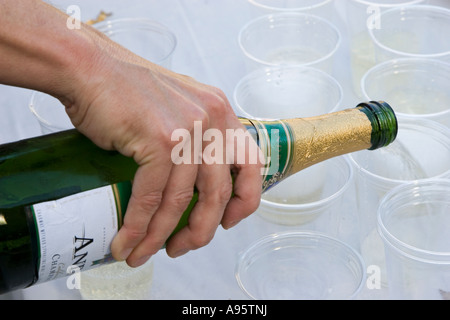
62,199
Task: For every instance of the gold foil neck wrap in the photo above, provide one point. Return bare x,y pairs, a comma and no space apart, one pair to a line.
319,138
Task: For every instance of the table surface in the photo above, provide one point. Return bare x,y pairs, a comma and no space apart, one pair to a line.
207,50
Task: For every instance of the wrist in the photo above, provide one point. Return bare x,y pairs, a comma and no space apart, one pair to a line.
84,59
39,51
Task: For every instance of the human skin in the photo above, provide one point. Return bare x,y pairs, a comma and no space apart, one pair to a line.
125,103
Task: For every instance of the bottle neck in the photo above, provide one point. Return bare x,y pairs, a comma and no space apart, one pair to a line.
323,137
292,145
276,141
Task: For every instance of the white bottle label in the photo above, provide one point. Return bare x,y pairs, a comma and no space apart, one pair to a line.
75,231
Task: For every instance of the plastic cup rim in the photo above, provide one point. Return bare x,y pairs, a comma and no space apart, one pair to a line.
415,60
150,24
409,54
405,249
42,121
424,123
258,73
319,203
272,16
389,5
297,9
318,236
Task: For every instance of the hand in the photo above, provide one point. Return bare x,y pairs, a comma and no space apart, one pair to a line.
125,103
133,106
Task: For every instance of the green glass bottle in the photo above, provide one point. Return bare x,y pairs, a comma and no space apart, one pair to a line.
62,199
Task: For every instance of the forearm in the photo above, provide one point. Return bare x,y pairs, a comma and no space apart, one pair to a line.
38,51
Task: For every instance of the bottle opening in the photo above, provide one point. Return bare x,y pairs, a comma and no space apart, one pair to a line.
384,122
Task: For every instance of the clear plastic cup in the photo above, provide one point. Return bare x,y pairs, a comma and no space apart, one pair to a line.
414,223
421,151
297,92
117,281
323,8
300,266
289,39
417,87
147,38
414,31
49,112
287,92
311,199
360,16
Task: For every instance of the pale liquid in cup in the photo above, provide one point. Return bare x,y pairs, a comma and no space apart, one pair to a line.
117,281
292,191
308,196
414,101
402,165
364,56
293,55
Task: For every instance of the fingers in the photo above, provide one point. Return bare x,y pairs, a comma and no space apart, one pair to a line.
148,187
177,196
162,193
135,115
246,197
215,187
247,165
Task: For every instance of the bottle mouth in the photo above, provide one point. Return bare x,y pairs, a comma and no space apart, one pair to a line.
384,123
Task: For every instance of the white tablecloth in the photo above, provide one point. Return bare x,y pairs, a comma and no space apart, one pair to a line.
207,50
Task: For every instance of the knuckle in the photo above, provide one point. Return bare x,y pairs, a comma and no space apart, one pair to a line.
252,199
201,239
200,115
133,235
181,199
253,203
217,104
148,202
204,118
223,193
219,92
218,108
151,247
165,135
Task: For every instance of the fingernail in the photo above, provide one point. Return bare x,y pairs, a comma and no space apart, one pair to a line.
179,253
231,224
139,262
123,255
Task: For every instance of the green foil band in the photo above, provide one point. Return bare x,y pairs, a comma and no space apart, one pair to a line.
275,140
